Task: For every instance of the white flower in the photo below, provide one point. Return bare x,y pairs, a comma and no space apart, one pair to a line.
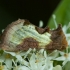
17,55
3,67
53,55
41,23
21,68
8,63
58,67
5,58
65,57
65,29
40,61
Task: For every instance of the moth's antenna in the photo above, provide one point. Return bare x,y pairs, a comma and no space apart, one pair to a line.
41,23
54,19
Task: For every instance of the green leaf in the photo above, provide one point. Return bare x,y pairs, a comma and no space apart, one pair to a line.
62,13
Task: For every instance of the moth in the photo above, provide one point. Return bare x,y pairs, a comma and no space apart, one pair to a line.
22,35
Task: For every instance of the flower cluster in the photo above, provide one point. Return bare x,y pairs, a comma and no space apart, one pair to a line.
30,60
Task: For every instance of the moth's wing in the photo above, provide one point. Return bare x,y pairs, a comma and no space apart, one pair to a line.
7,34
22,35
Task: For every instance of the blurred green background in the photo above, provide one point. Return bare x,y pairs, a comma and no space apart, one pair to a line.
33,10
62,13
